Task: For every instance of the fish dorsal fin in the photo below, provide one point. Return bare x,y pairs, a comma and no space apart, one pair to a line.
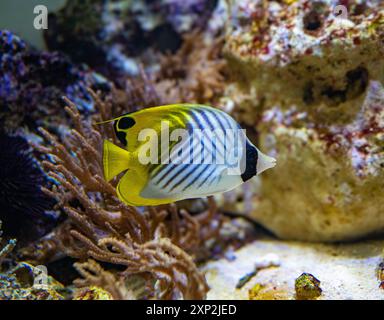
106,121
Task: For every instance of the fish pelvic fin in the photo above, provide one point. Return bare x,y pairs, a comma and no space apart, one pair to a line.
115,160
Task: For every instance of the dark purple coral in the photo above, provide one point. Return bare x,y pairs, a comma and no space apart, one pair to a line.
32,84
24,207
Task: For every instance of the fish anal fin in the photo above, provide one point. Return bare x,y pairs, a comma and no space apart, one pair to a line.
130,187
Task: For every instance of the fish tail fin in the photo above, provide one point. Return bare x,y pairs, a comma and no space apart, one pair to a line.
115,160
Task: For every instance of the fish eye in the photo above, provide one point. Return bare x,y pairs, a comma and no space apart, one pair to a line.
126,123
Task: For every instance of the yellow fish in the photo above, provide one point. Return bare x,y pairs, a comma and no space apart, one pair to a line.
178,152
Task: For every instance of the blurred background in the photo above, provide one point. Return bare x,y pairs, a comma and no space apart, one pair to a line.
17,16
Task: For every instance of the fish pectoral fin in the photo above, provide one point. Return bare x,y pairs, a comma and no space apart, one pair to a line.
115,160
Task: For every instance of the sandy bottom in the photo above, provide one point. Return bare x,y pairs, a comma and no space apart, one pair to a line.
346,271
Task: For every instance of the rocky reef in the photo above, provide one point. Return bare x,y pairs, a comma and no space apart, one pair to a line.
329,180
302,53
316,80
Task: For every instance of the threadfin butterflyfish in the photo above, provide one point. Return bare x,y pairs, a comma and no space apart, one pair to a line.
178,152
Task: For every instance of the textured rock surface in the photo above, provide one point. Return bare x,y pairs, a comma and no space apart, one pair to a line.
329,181
311,85
302,54
345,271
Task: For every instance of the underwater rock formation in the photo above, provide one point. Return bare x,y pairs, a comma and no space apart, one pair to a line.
329,180
32,84
116,32
318,107
300,53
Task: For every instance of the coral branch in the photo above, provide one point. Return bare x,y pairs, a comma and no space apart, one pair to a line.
194,73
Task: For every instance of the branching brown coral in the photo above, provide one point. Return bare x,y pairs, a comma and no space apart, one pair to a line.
51,247
192,233
141,92
94,275
174,269
194,73
138,93
148,242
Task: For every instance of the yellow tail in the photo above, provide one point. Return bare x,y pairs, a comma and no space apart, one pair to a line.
115,160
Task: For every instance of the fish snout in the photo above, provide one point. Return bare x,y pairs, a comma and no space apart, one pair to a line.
264,162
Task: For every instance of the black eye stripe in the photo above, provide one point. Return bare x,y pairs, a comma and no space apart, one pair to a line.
115,126
122,136
126,123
